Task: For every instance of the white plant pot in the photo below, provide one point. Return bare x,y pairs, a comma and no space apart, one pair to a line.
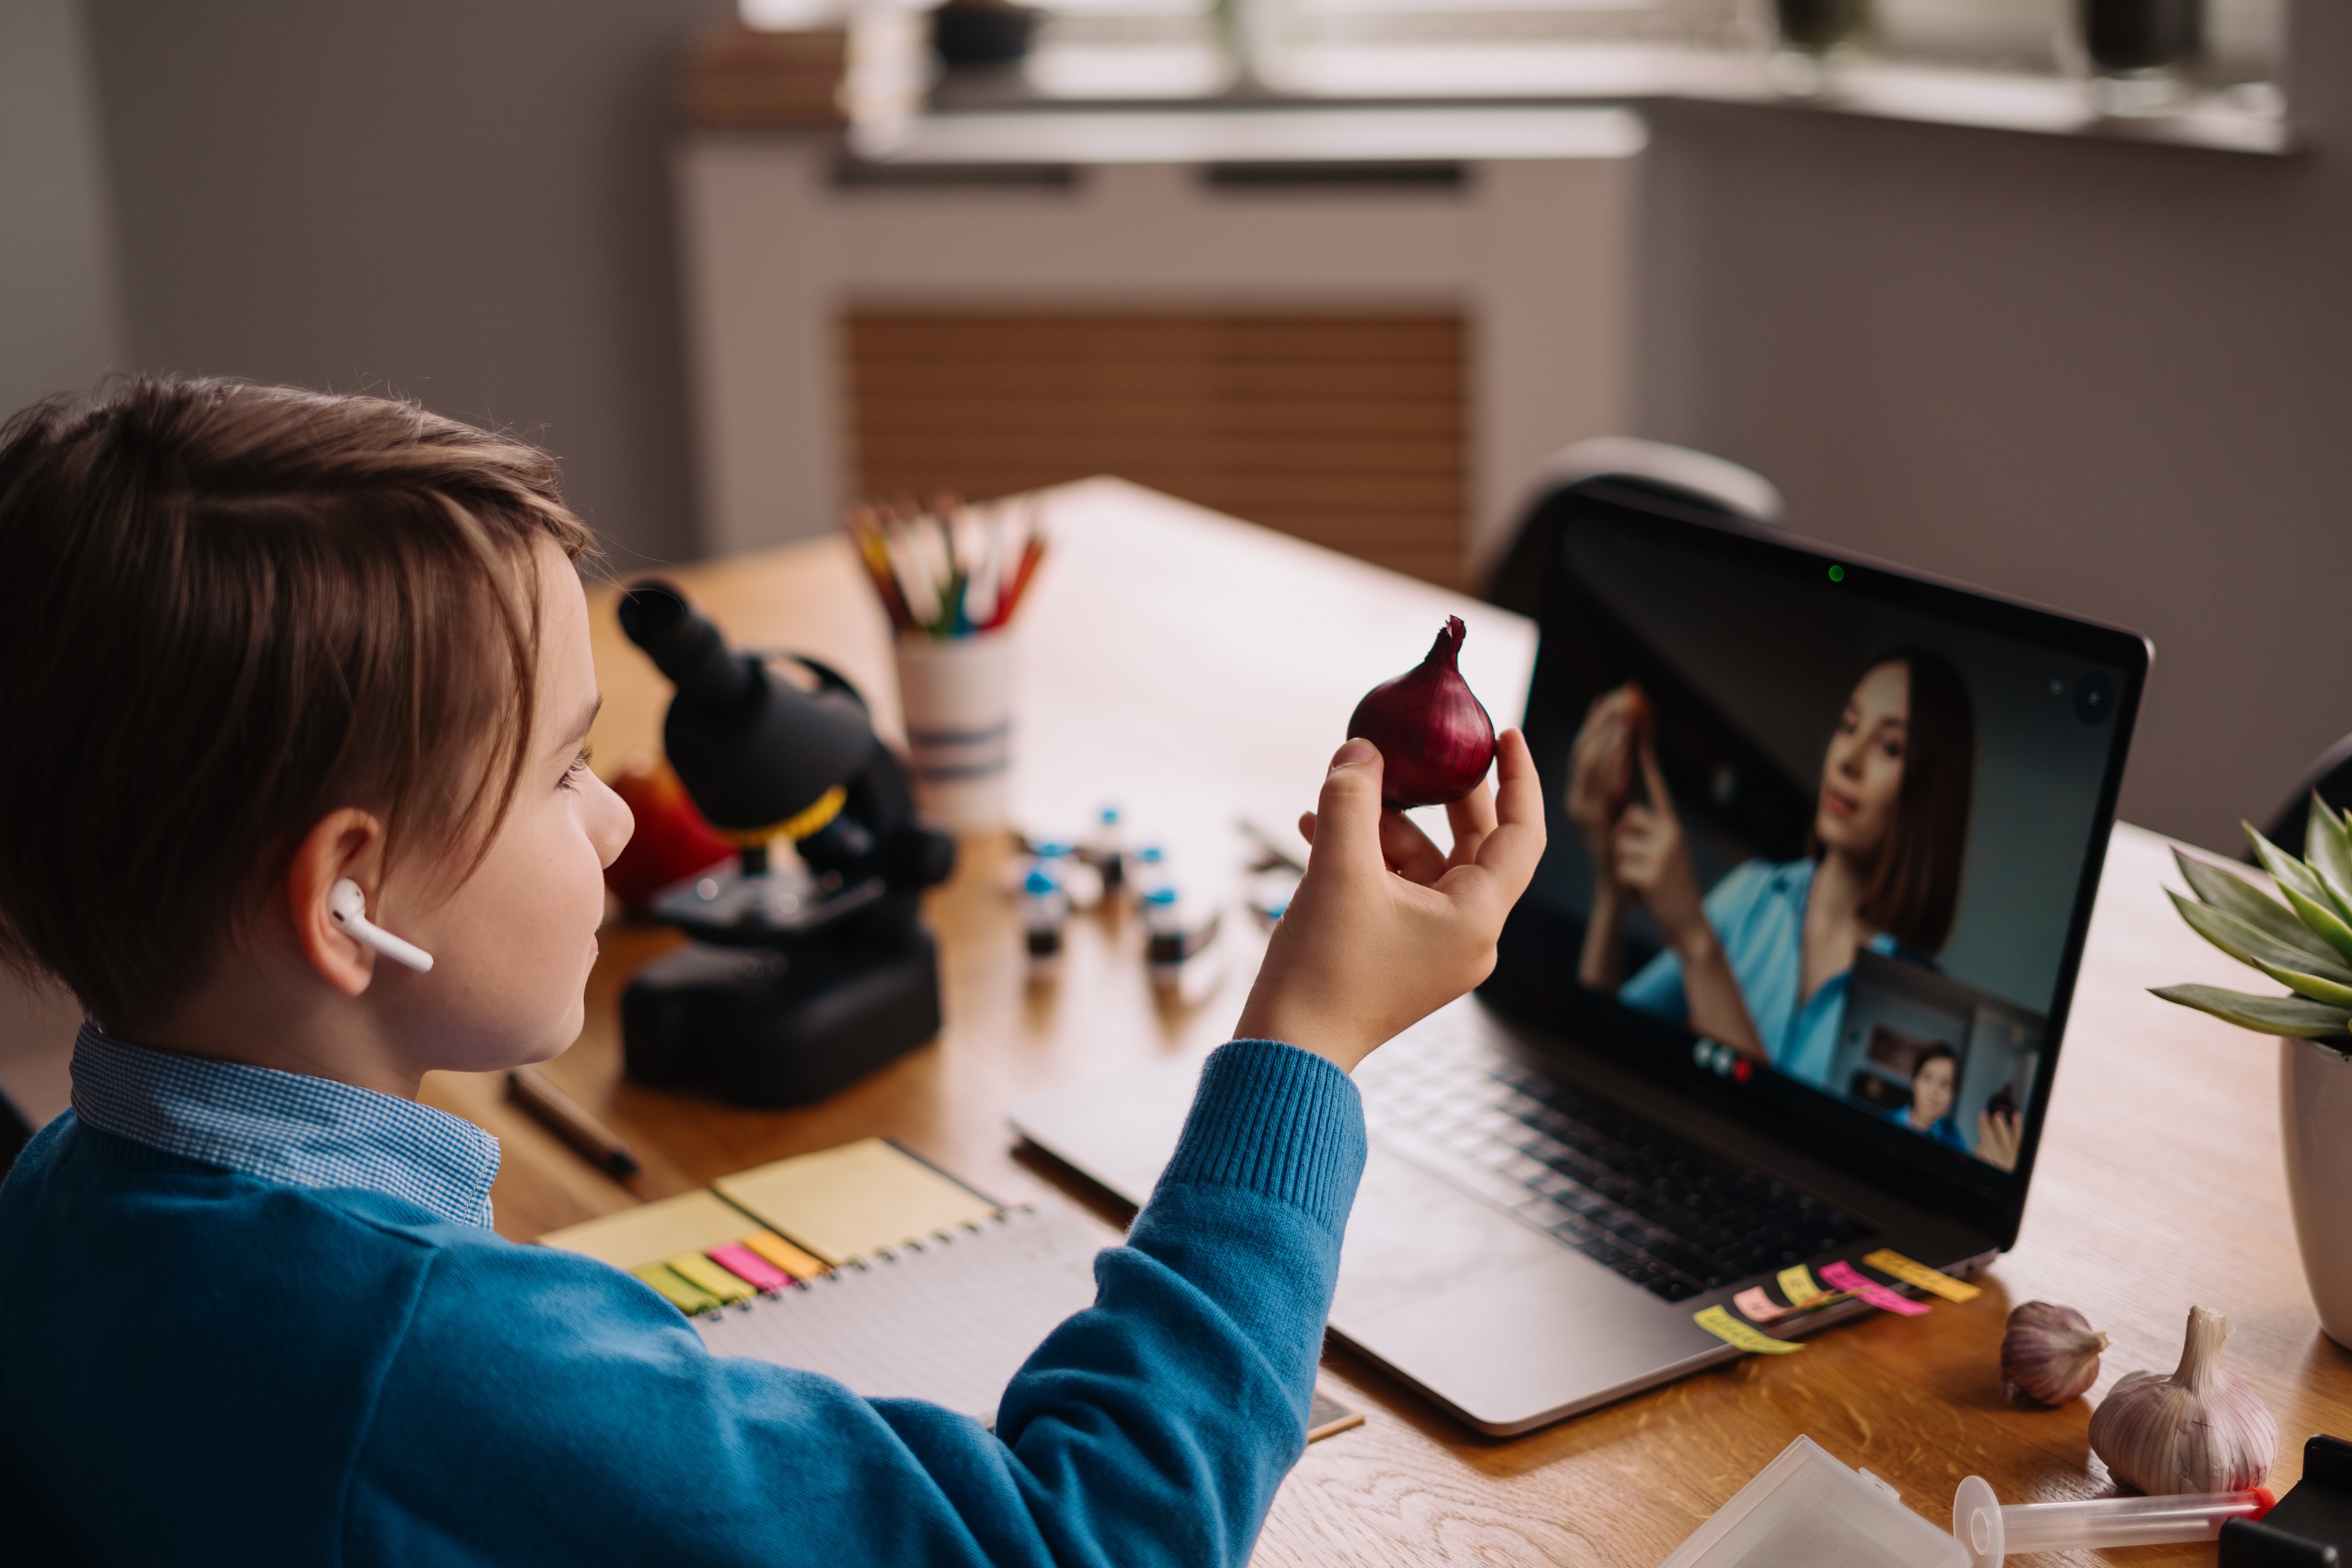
2315,1117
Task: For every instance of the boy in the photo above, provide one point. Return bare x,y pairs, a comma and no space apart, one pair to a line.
254,642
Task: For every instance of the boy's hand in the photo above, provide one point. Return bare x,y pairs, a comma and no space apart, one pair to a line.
1384,930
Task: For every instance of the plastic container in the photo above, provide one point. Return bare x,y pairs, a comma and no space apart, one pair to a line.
1805,1509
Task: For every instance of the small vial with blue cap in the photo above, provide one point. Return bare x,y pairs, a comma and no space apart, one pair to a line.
1105,849
1079,881
1175,939
1147,871
1045,910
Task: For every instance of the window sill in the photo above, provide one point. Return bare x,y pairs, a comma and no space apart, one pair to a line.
2246,120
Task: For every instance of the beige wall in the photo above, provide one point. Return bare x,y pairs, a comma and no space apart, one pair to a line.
60,320
462,201
60,328
2114,379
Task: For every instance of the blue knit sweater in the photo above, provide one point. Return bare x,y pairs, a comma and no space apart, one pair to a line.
200,1366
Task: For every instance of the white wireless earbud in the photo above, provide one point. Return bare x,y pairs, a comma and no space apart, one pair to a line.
348,907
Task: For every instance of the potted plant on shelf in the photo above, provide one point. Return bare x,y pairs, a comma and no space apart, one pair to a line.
2305,943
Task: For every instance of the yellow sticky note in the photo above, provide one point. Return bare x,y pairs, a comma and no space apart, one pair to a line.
1934,1280
1797,1285
784,1255
681,1292
649,1233
710,1278
846,1203
1718,1321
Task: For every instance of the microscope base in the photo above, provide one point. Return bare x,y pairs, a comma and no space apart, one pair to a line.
758,1026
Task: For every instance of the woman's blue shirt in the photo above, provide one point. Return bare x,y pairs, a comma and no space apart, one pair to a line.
1759,915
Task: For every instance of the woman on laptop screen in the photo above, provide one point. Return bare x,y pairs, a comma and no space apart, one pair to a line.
1760,962
1934,1079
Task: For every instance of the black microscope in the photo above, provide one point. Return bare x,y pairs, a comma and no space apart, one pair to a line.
806,971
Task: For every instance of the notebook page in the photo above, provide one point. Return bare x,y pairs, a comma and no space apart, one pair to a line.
949,1320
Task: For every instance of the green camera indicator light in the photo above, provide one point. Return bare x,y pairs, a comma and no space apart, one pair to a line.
1837,574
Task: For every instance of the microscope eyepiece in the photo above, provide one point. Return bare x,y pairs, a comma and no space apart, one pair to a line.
683,645
753,752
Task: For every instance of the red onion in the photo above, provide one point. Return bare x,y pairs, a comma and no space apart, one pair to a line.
1638,717
1436,740
1635,706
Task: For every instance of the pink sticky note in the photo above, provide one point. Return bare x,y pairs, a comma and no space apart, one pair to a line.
1759,1308
749,1267
1844,1276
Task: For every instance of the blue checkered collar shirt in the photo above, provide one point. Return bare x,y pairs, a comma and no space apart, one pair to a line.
285,1127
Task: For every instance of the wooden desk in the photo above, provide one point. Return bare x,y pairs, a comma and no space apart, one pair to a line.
1194,668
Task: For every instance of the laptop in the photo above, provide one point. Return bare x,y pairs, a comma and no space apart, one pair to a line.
1891,798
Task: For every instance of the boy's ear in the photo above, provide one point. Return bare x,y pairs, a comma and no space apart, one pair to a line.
346,843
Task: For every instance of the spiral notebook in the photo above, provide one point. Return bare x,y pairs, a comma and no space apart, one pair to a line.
948,1319
862,1263
871,1267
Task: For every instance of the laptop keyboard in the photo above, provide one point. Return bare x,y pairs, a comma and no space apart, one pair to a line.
1663,1213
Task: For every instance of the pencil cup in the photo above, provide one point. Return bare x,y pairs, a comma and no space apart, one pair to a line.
957,695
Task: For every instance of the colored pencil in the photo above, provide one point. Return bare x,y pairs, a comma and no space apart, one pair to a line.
945,570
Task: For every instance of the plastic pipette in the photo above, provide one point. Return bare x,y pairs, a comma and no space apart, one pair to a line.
1986,1531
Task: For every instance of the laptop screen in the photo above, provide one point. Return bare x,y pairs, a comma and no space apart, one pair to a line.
1820,833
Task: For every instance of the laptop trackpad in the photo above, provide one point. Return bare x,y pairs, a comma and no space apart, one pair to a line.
1411,1234
1506,1322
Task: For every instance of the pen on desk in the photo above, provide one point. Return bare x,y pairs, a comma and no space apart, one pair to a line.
561,1115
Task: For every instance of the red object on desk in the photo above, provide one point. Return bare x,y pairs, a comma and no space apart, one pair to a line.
672,841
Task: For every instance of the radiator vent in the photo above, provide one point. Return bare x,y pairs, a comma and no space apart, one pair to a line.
1348,429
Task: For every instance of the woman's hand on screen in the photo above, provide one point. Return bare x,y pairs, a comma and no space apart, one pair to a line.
1651,859
1385,929
1999,1133
1601,772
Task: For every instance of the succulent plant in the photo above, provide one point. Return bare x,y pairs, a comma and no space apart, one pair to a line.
2303,944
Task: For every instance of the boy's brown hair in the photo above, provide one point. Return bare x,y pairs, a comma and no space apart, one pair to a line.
226,610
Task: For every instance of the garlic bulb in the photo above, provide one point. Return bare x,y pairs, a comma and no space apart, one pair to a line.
2199,1431
2050,1354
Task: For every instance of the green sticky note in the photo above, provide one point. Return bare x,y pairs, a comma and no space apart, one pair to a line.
710,1278
1797,1285
1732,1332
682,1293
